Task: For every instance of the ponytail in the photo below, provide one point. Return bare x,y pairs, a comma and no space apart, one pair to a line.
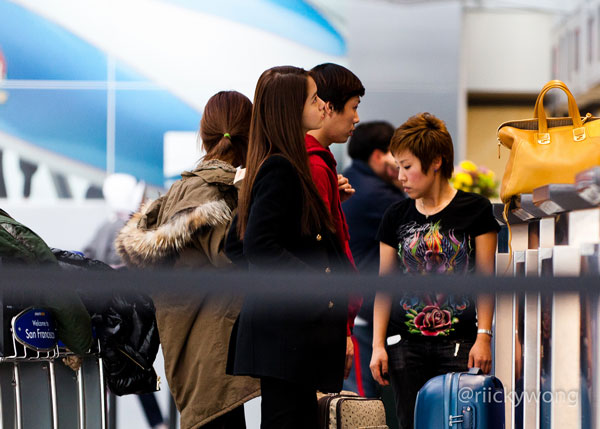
225,126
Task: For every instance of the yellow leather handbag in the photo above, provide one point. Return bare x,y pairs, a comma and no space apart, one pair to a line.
548,150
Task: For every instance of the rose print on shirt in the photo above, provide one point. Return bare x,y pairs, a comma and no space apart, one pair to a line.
433,315
432,321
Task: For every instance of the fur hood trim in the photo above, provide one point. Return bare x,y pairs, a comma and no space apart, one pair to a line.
146,247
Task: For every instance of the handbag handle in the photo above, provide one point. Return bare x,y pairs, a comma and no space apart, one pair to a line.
573,109
540,113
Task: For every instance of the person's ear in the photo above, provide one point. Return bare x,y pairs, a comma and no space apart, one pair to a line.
375,160
328,108
376,155
437,163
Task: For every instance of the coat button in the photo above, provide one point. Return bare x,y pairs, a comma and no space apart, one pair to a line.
318,237
327,270
330,305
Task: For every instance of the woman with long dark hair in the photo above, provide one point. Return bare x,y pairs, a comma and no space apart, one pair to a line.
295,346
186,228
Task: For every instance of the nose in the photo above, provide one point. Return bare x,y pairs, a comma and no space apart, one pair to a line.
320,104
356,118
401,175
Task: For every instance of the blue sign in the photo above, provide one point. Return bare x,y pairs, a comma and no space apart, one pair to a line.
35,329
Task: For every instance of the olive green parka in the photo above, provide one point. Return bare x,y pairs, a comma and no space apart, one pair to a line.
186,228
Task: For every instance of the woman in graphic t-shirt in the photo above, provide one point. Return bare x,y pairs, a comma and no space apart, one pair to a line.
438,230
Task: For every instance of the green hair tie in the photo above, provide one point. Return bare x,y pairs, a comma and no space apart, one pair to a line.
227,135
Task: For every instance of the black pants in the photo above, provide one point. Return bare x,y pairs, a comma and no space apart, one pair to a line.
286,405
234,419
412,363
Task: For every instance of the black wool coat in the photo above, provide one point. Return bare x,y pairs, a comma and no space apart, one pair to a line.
293,335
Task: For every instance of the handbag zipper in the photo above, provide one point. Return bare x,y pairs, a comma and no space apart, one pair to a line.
132,359
140,365
519,121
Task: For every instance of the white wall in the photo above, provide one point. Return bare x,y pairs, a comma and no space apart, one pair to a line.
408,58
507,51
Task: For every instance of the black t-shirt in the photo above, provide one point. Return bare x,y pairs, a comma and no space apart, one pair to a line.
443,243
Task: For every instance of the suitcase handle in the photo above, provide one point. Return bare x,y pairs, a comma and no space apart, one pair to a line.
475,371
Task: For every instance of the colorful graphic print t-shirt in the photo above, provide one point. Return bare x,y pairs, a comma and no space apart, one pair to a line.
443,243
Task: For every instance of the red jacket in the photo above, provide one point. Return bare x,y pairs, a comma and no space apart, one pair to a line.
323,169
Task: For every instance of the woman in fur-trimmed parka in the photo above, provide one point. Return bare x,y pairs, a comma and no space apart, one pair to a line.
186,228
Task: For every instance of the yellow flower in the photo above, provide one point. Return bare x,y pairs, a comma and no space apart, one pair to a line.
463,179
468,165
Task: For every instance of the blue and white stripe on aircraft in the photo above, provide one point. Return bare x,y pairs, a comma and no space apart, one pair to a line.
296,20
100,82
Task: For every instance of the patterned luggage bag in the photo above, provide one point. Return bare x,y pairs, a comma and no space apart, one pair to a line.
350,411
461,400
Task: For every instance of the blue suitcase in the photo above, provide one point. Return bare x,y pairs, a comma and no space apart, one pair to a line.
461,400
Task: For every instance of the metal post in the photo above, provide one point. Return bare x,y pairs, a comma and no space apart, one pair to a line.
545,261
565,363
103,410
81,398
566,261
595,362
18,404
519,263
1,400
584,226
532,360
504,264
53,397
520,236
547,232
504,347
531,263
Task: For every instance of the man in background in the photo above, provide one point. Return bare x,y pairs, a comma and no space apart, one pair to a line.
374,176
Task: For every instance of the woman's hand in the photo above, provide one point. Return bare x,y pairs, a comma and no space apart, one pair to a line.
349,356
480,355
379,365
345,188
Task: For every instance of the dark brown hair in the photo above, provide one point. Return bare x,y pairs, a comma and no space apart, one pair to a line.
224,127
427,138
276,128
336,84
